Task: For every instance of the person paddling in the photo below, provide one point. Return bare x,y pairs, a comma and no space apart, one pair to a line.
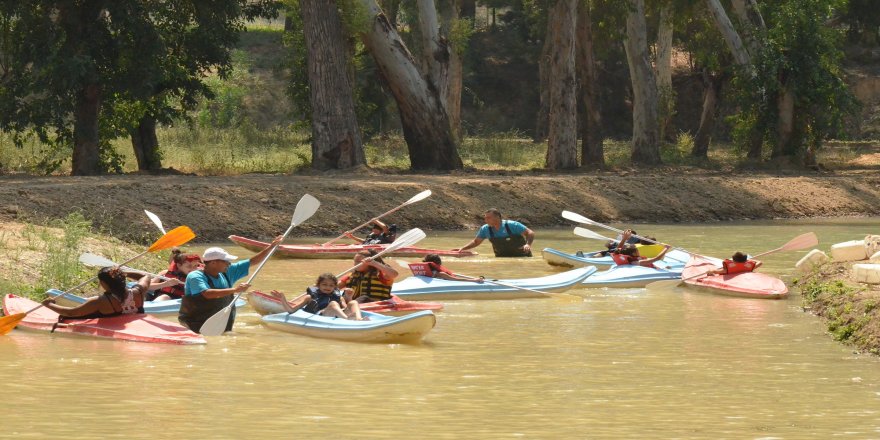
380,233
370,281
627,253
432,266
509,238
738,263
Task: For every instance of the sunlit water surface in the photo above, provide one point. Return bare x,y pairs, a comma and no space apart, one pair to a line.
601,363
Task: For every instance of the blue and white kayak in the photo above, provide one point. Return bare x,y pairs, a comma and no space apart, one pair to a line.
630,276
170,307
377,328
419,287
674,258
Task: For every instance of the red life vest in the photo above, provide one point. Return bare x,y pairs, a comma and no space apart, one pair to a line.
734,267
427,269
622,260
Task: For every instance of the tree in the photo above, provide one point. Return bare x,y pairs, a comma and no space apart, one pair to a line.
646,147
592,153
562,133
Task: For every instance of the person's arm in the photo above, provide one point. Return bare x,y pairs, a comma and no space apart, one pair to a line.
530,237
388,272
294,304
454,277
354,237
651,261
757,264
474,243
197,284
92,305
257,259
157,284
378,223
623,238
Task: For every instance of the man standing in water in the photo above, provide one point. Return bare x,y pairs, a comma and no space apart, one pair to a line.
509,238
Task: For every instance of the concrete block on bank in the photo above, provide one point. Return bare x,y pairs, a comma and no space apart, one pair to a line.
876,257
813,258
866,273
849,251
872,244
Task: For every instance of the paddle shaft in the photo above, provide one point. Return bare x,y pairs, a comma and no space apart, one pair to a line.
260,266
408,238
498,283
418,197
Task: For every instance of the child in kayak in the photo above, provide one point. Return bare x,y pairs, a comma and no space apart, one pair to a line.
180,266
380,233
627,253
370,281
738,263
431,266
324,299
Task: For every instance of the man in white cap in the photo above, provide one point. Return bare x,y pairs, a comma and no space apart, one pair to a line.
209,290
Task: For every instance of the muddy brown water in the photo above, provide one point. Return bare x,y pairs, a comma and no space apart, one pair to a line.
595,363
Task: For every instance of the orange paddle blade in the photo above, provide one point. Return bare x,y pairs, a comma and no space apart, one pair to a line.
7,323
173,238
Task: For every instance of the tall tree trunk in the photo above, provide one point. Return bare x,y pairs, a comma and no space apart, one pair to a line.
449,10
646,148
711,92
336,139
543,115
146,144
664,70
728,32
562,136
86,138
426,127
748,14
785,126
592,153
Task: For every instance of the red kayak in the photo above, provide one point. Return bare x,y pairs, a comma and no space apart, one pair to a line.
342,251
138,328
746,284
266,304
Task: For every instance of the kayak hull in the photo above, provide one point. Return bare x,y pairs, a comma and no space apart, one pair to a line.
424,288
630,276
170,307
342,251
674,259
135,328
266,304
407,329
746,284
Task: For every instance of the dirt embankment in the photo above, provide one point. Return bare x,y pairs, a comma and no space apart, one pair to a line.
260,206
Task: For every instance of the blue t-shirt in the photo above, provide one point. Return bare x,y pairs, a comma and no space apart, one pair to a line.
197,280
516,228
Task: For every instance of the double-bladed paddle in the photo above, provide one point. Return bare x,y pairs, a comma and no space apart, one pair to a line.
408,238
476,279
800,242
216,324
174,237
416,198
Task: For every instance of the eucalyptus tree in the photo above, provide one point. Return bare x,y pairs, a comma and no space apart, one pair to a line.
645,141
592,152
562,86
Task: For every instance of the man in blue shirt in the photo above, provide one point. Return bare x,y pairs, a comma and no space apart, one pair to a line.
209,290
509,238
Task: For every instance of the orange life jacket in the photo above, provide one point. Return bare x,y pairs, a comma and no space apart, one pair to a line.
427,269
734,267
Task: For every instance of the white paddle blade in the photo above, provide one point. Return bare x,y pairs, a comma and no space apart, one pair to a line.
156,221
216,324
305,208
408,238
586,233
575,217
93,260
419,197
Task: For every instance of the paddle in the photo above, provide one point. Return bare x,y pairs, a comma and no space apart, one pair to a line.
216,324
416,198
174,237
800,242
496,282
408,238
586,233
155,219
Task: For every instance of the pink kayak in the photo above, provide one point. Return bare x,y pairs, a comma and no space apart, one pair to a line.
138,328
342,251
266,304
746,284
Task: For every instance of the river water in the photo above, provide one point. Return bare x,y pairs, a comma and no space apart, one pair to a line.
600,363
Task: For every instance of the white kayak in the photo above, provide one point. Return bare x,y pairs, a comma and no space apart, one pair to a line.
630,276
674,258
421,288
377,328
170,307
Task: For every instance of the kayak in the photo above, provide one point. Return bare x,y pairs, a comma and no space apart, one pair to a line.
170,307
421,287
630,276
674,258
746,284
377,328
136,327
342,251
266,304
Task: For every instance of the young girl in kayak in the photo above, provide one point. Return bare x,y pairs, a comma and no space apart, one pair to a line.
738,263
116,300
380,233
323,299
181,265
431,266
627,253
370,281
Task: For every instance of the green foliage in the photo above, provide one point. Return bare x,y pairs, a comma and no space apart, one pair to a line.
61,269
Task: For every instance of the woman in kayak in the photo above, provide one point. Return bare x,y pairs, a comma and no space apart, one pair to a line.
738,263
117,298
627,253
380,233
370,281
431,266
181,265
324,298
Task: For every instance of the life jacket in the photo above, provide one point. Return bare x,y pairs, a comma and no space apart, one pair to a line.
428,269
510,246
196,309
320,301
623,260
734,267
382,238
177,291
370,284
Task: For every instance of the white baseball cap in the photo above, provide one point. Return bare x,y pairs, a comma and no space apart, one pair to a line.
215,253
